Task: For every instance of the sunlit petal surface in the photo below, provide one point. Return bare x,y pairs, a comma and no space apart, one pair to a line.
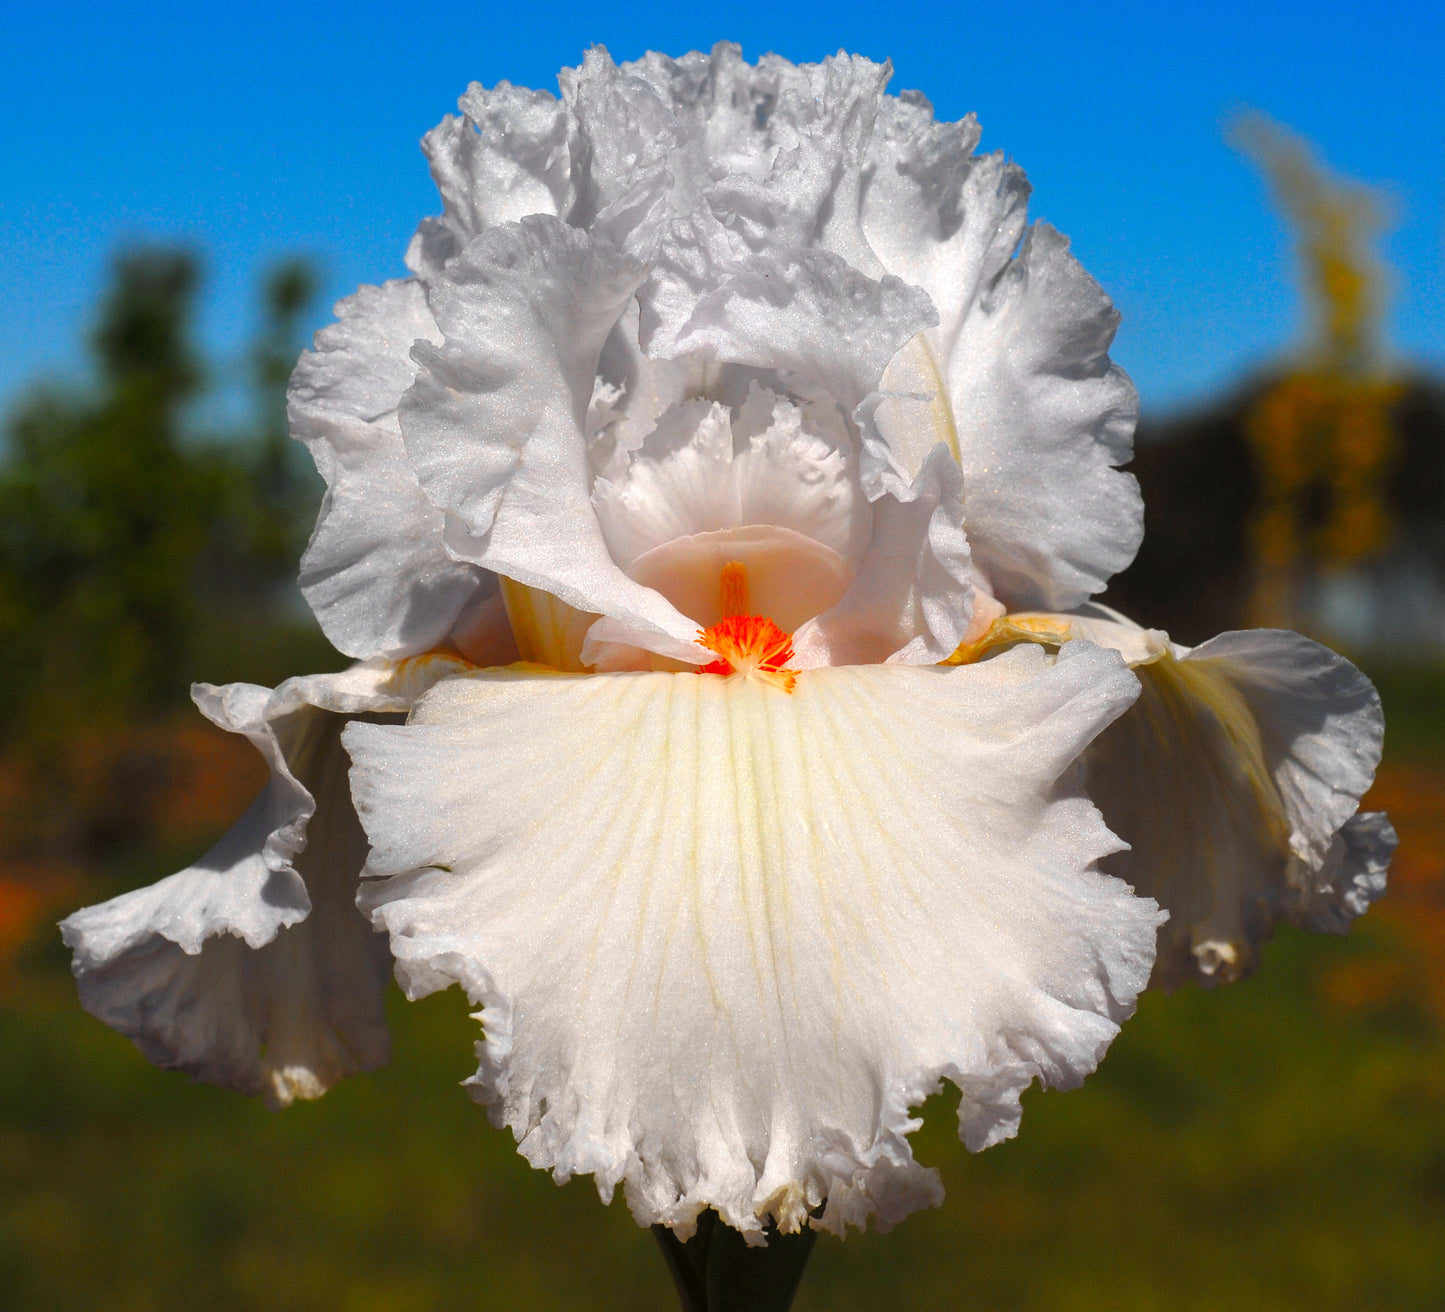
252,967
725,936
1236,779
376,571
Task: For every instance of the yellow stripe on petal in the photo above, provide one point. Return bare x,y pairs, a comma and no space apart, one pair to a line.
548,631
914,371
1043,629
1182,777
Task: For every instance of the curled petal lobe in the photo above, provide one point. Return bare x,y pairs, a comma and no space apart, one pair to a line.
376,572
507,156
947,221
1236,780
495,422
252,968
549,539
362,363
1353,873
524,312
1043,418
724,936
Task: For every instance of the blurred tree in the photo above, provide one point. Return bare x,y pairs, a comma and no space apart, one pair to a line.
285,483
103,515
1321,435
1327,469
130,552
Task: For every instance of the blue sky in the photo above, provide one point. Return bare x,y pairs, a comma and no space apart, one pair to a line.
250,132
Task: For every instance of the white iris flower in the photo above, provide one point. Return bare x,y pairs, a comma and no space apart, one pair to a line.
686,504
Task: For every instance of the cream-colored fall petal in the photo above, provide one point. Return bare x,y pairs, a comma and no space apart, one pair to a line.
724,937
1236,778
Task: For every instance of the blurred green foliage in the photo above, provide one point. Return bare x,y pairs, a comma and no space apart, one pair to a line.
139,552
116,519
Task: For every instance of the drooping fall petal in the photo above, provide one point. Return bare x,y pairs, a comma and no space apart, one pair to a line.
252,968
725,936
1236,779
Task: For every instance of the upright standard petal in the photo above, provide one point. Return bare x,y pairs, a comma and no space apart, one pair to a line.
805,312
776,149
720,111
252,968
495,422
1043,419
725,936
936,214
623,133
815,135
376,572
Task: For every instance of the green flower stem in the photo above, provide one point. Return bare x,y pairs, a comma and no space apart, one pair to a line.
716,1271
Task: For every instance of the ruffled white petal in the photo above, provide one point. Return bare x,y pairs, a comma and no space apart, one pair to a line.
1043,418
948,221
816,134
252,968
914,593
495,422
524,311
376,572
937,215
724,937
507,156
776,149
1039,416
623,133
799,311
720,108
1236,778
